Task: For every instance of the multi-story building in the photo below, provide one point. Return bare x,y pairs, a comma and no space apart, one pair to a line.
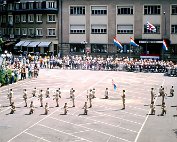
77,26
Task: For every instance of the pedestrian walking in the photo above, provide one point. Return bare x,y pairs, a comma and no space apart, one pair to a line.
25,97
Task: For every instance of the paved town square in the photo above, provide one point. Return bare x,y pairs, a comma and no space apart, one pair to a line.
106,121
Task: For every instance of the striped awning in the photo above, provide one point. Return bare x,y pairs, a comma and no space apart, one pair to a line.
20,43
33,44
44,44
26,43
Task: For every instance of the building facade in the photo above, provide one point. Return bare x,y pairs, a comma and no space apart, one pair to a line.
80,26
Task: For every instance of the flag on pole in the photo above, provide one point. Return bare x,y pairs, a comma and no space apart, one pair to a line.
164,45
117,43
151,27
114,85
132,43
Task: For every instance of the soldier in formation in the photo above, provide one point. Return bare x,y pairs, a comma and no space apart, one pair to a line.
12,108
73,98
31,108
57,96
47,93
152,108
164,111
172,91
10,95
25,97
65,109
41,98
123,99
85,108
152,95
34,92
46,108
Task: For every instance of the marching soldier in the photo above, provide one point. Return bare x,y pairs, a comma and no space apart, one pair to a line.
106,93
85,108
123,99
71,92
10,95
57,96
90,97
152,108
164,111
41,98
163,95
31,108
160,91
73,98
65,109
152,95
46,109
25,97
34,92
12,108
47,93
172,91
93,93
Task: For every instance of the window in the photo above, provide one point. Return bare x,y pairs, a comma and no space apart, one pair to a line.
38,31
77,10
146,31
4,19
17,6
30,5
77,29
17,18
10,6
23,5
77,48
23,18
10,19
51,32
51,18
38,17
152,9
17,31
99,10
99,48
174,9
38,5
124,29
125,10
51,4
10,31
31,31
30,18
98,29
4,32
24,31
174,29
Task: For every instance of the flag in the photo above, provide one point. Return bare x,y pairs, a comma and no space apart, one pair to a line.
151,27
164,46
132,43
114,85
117,43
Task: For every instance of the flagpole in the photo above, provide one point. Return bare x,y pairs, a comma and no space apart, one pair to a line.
130,52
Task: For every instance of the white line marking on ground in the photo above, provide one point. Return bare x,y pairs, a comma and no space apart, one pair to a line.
57,109
91,129
136,139
63,132
79,132
37,137
108,139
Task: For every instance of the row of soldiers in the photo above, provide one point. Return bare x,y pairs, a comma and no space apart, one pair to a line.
161,94
57,96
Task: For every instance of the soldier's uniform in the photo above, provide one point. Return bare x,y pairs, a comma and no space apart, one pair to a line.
164,111
163,96
25,97
93,93
65,108
73,98
12,108
172,91
10,95
85,108
123,99
57,96
41,98
34,92
31,108
106,93
47,93
160,91
152,95
90,97
152,108
71,92
46,109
